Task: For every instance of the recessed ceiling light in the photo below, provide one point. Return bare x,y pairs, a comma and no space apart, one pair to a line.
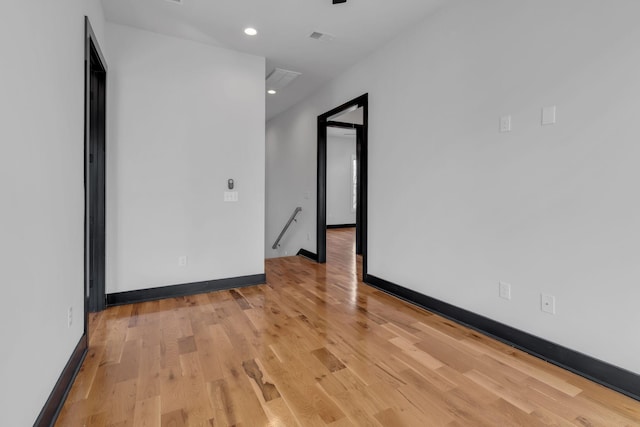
271,92
250,31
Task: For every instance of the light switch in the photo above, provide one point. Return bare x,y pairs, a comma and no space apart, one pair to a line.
505,124
505,290
230,196
549,115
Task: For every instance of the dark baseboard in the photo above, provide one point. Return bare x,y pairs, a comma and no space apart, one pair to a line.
52,407
340,226
307,254
171,291
618,379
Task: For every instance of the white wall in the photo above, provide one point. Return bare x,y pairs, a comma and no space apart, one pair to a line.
41,182
291,180
340,150
549,209
183,118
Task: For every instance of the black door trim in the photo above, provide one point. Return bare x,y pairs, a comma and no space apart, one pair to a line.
334,124
94,122
362,154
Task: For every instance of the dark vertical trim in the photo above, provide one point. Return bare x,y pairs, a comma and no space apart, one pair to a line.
321,206
618,379
88,36
94,176
359,190
362,143
363,178
54,403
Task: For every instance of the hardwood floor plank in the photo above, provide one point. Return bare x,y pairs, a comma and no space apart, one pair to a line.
317,347
147,413
503,392
328,359
267,390
148,384
121,404
177,418
222,403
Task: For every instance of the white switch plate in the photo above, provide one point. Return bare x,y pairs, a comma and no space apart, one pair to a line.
182,260
505,290
549,115
230,196
548,303
505,124
70,317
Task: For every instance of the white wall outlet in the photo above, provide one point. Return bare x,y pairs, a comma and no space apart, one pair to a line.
308,236
70,317
549,115
182,260
548,303
505,290
505,124
307,195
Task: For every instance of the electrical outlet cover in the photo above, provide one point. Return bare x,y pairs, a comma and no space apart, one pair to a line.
548,303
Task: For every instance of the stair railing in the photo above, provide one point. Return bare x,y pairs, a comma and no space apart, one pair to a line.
286,227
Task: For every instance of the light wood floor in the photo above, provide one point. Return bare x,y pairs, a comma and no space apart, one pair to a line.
317,347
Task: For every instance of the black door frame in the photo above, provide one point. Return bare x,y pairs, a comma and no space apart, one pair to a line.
362,152
94,173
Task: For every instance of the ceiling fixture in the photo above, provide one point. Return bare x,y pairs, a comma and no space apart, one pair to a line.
271,92
250,31
175,2
280,78
321,36
339,1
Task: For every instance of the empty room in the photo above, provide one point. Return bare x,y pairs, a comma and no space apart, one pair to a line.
320,213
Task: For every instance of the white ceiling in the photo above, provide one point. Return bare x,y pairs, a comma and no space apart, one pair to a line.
284,26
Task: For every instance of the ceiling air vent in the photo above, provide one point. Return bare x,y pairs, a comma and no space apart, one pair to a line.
280,78
321,36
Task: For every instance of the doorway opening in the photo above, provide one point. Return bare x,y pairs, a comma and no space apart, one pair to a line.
342,178
94,173
334,119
